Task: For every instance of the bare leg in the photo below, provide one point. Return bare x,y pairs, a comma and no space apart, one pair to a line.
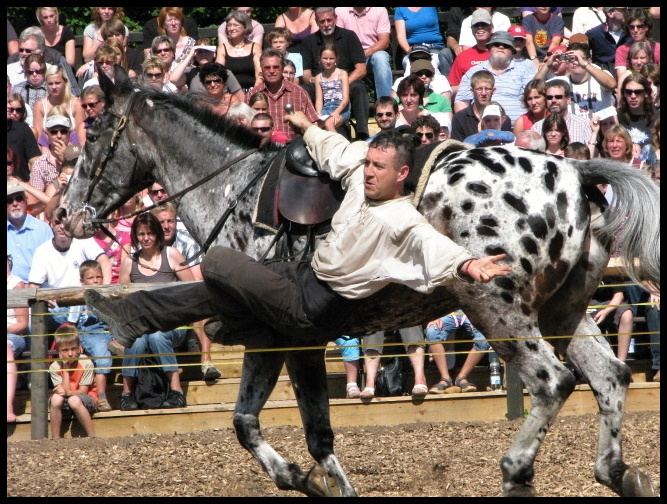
471,361
174,380
82,415
351,371
625,328
12,380
416,356
437,350
56,415
372,363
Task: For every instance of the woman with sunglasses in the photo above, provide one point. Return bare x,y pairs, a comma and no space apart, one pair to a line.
165,49
93,102
214,78
636,111
638,25
153,72
16,108
34,87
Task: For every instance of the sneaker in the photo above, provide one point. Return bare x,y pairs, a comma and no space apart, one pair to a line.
175,399
209,371
105,311
127,402
103,404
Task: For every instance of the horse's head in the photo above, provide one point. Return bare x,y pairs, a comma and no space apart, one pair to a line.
109,170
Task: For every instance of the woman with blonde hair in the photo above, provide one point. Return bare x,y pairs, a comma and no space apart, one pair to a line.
617,145
56,36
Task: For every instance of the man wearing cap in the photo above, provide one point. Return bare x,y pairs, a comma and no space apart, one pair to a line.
511,76
544,31
439,83
46,168
482,29
24,232
605,38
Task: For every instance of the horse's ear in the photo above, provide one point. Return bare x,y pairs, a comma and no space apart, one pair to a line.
110,89
120,75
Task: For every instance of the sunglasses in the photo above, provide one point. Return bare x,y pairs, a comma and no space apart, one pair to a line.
90,105
424,73
428,135
636,26
35,72
555,96
154,76
19,198
27,51
503,46
61,131
481,26
15,110
106,62
384,114
638,92
160,51
155,192
212,81
263,129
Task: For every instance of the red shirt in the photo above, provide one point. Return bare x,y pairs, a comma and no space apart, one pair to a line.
464,62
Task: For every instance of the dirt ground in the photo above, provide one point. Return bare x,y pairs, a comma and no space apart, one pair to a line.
452,460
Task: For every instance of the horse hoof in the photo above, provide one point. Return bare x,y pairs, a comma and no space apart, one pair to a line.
525,490
320,484
637,483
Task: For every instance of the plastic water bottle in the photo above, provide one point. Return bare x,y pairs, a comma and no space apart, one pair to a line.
494,375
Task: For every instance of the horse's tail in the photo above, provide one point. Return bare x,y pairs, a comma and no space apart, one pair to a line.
633,218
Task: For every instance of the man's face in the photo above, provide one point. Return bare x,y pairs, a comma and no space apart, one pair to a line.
279,44
59,234
482,32
500,55
168,222
385,116
262,127
17,206
327,23
426,135
272,69
58,135
381,174
557,102
482,92
26,48
157,193
93,276
69,351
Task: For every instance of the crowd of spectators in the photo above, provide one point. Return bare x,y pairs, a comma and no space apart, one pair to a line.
587,90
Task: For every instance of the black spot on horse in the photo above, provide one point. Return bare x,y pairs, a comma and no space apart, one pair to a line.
556,246
455,168
489,221
505,283
453,179
447,212
516,203
525,164
529,244
468,206
525,309
497,250
538,226
479,188
562,205
551,175
507,297
521,225
542,374
464,234
526,265
485,231
431,201
550,216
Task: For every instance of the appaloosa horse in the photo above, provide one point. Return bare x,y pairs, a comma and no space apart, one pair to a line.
544,212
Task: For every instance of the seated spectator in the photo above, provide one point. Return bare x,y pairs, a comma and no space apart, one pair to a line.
256,34
153,262
433,101
351,355
614,315
280,39
440,330
214,78
545,30
241,114
153,28
559,98
93,101
34,87
57,36
262,124
529,139
636,110
16,108
153,74
93,334
259,103
132,58
493,117
236,54
300,21
46,168
106,58
170,22
481,27
17,327
617,145
554,131
639,26
163,48
74,389
577,150
427,128
115,249
445,126
411,92
419,25
289,72
92,36
534,99
386,114
519,34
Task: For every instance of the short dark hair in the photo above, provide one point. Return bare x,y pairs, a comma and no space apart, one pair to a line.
387,100
213,69
414,82
567,89
405,148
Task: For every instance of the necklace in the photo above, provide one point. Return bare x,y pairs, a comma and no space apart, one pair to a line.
238,47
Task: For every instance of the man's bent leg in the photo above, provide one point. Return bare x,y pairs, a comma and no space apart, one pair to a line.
359,107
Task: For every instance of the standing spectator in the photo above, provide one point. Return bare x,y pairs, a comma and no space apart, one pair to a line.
511,76
554,131
534,98
636,111
332,91
639,27
256,33
419,25
73,379
152,29
57,36
386,114
482,28
440,330
545,30
604,39
92,36
351,58
281,92
427,128
411,92
24,232
93,334
559,96
34,87
300,21
17,327
237,54
280,40
466,121
372,26
587,18
153,262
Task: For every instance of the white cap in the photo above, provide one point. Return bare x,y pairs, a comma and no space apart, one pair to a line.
58,120
443,119
491,110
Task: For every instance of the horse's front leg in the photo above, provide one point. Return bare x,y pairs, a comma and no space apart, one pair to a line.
307,371
259,376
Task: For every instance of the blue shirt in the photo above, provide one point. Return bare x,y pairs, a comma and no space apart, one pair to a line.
421,27
22,243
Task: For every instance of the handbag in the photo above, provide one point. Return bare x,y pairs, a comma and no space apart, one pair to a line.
391,378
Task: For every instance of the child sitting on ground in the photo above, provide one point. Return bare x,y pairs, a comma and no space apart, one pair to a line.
73,378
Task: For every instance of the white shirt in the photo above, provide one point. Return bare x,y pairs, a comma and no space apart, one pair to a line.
585,18
589,96
500,23
51,268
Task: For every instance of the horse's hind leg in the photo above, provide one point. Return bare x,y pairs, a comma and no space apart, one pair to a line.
258,379
308,374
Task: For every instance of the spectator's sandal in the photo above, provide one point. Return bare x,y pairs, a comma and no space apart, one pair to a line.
419,390
466,386
444,386
368,393
353,391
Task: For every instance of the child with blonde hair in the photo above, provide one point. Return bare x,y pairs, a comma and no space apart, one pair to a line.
332,91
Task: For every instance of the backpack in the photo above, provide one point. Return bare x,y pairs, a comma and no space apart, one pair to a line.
152,386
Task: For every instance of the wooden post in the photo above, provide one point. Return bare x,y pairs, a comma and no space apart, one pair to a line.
39,385
514,387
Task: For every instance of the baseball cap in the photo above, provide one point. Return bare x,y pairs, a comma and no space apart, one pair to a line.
72,152
443,119
417,48
560,48
58,120
480,16
579,38
491,110
502,37
420,65
517,31
14,187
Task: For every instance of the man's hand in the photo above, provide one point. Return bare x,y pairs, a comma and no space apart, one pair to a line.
299,120
485,269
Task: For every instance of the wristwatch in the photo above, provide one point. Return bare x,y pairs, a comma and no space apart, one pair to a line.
533,58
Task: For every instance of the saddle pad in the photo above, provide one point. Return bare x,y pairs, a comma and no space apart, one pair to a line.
266,211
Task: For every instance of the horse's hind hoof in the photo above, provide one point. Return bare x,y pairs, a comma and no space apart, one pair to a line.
320,484
525,490
637,483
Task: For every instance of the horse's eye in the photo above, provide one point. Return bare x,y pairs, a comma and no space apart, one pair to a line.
91,138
